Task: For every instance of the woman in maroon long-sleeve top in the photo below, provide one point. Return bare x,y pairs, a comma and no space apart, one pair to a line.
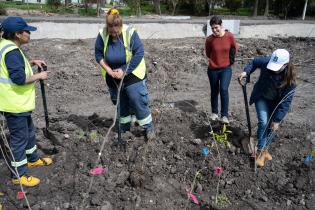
220,49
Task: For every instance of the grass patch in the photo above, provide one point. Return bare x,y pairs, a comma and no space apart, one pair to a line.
23,6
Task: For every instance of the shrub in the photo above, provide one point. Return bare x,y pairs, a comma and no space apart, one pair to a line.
53,3
233,5
2,10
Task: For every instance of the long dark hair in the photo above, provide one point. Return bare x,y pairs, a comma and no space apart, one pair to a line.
290,78
9,35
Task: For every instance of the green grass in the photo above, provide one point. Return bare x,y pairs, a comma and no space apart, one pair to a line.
23,6
89,12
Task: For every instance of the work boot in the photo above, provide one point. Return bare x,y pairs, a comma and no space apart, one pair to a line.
46,161
260,158
29,181
214,117
267,155
150,134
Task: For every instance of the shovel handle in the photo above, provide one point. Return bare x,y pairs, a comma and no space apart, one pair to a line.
42,87
44,68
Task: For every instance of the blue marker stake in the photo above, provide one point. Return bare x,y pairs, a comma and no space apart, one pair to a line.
308,158
205,150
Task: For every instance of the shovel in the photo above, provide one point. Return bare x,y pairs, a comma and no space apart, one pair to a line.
47,133
247,143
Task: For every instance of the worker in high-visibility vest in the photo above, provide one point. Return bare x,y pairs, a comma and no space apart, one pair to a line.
17,99
119,52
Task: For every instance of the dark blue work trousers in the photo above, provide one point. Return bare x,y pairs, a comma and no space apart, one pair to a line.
219,83
134,99
22,141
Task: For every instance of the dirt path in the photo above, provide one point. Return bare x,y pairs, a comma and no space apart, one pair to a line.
155,175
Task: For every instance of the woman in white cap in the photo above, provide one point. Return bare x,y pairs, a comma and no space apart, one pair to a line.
17,98
272,95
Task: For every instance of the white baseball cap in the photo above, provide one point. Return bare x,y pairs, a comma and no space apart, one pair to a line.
278,58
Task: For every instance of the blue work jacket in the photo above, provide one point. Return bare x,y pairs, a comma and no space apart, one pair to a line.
268,87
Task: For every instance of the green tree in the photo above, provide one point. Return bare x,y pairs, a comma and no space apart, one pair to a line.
135,6
157,6
256,8
266,8
53,3
233,5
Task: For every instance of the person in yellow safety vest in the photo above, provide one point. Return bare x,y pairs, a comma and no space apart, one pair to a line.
17,99
119,52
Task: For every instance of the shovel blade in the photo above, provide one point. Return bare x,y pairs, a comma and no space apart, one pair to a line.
248,145
52,137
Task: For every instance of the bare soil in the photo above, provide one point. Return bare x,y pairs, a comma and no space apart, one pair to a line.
156,174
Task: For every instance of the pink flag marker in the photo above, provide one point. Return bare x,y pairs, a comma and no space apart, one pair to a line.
97,171
218,171
193,198
20,195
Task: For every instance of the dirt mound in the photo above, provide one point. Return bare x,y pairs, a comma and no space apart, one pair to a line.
161,173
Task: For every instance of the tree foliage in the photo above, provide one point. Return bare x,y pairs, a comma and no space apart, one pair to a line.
233,5
135,6
53,3
281,8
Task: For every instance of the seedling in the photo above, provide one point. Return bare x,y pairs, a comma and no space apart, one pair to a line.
222,136
222,201
199,176
81,135
93,136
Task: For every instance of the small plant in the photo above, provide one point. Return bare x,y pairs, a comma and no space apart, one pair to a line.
198,176
81,135
222,201
222,136
93,136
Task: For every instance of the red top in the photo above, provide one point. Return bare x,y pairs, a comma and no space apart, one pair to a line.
218,50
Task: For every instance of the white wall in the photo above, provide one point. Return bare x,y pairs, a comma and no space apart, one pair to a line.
168,30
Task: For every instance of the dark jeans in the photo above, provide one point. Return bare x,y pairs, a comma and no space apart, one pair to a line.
22,141
219,83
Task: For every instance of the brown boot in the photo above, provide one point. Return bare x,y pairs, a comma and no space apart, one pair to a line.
260,158
267,155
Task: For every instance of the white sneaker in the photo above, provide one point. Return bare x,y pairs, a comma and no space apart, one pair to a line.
214,117
225,120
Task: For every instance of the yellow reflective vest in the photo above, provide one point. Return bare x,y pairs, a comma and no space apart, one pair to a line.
127,32
14,98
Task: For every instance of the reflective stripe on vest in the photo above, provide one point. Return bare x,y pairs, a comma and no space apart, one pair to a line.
15,98
127,32
124,120
30,151
18,164
145,121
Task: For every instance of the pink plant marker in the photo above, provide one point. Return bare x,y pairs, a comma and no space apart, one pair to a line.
218,171
97,171
193,198
20,195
